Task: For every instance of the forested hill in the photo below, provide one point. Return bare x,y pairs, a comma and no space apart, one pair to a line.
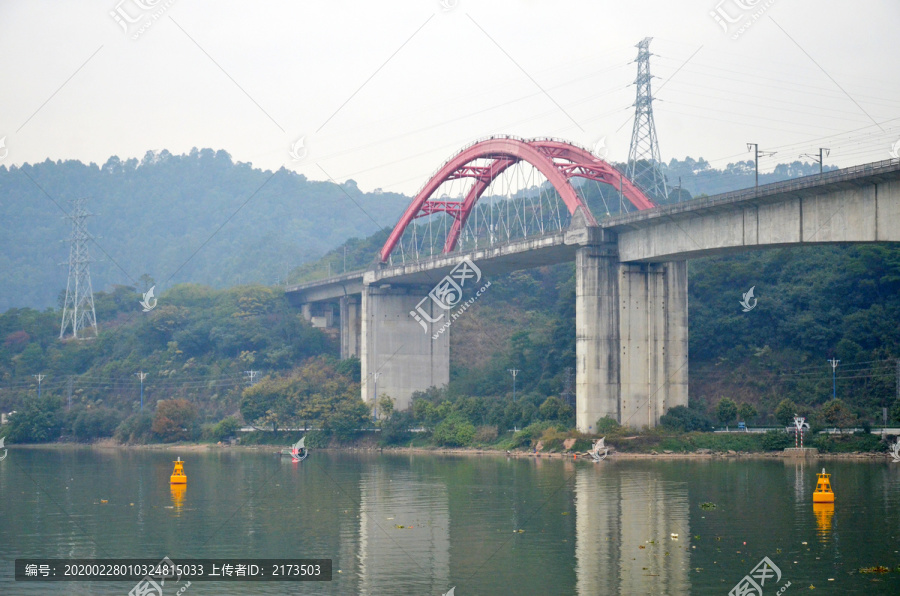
151,215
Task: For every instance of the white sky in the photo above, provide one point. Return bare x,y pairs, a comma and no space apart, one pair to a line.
384,92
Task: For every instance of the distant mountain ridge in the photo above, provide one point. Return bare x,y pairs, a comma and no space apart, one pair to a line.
198,218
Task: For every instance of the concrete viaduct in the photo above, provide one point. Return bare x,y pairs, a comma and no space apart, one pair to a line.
631,287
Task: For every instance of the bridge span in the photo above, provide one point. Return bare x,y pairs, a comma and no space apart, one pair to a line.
631,283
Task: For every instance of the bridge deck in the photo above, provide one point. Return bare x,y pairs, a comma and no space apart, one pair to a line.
636,240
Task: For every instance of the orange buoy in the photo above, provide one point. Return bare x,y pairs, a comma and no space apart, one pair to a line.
823,492
178,476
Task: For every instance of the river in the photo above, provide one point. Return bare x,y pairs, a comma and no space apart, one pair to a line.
425,523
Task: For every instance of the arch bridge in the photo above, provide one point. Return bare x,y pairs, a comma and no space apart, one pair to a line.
631,267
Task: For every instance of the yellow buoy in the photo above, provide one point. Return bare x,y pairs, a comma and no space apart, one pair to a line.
178,476
823,493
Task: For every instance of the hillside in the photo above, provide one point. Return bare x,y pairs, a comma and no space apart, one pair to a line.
198,218
815,303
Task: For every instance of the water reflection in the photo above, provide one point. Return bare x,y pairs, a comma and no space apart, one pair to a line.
178,491
402,520
823,512
624,542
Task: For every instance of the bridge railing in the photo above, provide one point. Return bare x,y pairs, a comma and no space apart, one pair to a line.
805,182
794,184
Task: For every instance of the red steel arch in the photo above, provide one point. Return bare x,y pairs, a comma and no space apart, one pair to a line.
557,160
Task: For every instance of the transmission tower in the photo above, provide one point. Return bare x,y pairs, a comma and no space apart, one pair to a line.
643,154
78,310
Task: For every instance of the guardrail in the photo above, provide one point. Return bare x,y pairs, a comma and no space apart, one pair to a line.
794,184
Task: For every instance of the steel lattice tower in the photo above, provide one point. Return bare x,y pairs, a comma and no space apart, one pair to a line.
643,154
78,310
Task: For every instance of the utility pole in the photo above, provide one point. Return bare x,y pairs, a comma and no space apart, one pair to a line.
141,375
39,379
252,374
756,155
514,372
834,364
78,309
821,162
643,153
71,384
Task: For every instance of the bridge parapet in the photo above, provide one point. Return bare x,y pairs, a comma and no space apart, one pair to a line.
859,204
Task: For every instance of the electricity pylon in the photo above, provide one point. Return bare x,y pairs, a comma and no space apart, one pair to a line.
643,154
78,309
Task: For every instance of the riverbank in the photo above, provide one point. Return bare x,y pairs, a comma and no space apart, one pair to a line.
701,454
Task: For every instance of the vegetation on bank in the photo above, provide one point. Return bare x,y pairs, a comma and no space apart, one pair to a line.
202,348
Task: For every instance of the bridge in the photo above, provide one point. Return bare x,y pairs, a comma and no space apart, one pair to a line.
631,268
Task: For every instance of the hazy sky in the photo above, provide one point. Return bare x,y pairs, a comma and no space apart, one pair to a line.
384,92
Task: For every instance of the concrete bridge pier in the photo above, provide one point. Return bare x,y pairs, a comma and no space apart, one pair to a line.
631,338
397,347
351,328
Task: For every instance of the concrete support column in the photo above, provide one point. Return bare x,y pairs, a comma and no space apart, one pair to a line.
350,326
306,311
397,347
596,336
653,341
676,346
631,339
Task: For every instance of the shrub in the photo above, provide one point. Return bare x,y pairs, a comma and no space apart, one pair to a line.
486,434
553,439
454,431
395,429
531,433
607,425
316,439
551,408
95,423
37,422
774,440
135,428
174,420
684,419
227,427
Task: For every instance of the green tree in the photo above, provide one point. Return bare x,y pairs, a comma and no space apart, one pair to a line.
551,408
726,411
385,406
38,421
746,412
225,428
785,412
895,411
685,419
135,428
174,420
94,423
267,402
454,431
836,413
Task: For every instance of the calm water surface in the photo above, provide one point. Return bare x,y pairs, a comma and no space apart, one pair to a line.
485,524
